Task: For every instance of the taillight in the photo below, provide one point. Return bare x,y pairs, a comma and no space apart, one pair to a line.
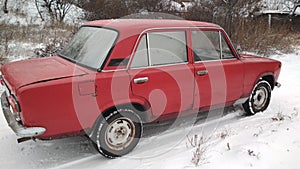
1,81
14,104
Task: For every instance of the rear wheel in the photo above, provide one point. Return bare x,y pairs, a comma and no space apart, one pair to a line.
259,99
118,133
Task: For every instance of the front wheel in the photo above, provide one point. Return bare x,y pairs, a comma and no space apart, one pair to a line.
118,133
259,99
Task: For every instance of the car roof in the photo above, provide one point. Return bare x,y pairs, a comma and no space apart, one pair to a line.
140,25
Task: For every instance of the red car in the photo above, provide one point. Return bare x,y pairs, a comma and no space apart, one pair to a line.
116,75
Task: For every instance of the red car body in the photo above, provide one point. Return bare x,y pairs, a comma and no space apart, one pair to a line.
64,98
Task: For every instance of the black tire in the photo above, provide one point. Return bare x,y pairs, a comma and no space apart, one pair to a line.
259,99
118,133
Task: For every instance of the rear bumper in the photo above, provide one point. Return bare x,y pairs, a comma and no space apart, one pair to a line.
19,129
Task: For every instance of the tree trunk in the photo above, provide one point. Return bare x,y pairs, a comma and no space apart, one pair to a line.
38,9
5,10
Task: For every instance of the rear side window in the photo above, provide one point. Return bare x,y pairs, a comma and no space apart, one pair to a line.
161,48
141,54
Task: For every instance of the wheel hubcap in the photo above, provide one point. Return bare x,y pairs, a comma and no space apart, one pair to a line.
260,98
120,133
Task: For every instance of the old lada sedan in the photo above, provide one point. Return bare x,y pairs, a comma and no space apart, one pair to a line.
116,75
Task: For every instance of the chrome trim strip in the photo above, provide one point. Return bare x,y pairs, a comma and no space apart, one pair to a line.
171,64
215,60
220,43
240,101
148,49
117,70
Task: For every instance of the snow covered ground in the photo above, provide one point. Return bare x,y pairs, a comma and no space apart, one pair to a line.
24,12
266,140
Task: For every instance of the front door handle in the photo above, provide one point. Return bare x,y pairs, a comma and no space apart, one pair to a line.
141,80
202,72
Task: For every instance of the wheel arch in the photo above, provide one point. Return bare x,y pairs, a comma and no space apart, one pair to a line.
269,77
141,109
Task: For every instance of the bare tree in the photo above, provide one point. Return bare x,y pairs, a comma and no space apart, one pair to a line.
232,9
115,9
201,11
61,8
56,9
223,12
155,5
105,9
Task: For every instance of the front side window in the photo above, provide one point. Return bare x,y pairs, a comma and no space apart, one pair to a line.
167,48
226,51
90,46
161,48
206,45
210,45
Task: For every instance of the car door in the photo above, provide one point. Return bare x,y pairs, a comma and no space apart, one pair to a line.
160,72
219,73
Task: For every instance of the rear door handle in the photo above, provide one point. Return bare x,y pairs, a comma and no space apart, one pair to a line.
141,80
202,72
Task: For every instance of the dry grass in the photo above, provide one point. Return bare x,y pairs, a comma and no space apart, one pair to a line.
279,116
255,35
35,34
18,40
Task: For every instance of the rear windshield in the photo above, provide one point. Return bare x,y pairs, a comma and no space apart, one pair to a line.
90,46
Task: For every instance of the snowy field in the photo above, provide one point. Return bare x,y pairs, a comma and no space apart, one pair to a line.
268,140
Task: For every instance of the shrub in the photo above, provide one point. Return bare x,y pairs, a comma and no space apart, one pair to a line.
198,143
50,49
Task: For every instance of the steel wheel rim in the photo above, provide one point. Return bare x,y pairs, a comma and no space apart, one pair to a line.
260,98
120,134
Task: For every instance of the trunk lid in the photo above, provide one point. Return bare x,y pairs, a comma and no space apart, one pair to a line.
22,73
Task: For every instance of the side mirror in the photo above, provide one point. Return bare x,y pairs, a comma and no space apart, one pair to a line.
238,48
297,11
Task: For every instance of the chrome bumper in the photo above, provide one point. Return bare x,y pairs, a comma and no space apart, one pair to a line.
277,84
19,129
